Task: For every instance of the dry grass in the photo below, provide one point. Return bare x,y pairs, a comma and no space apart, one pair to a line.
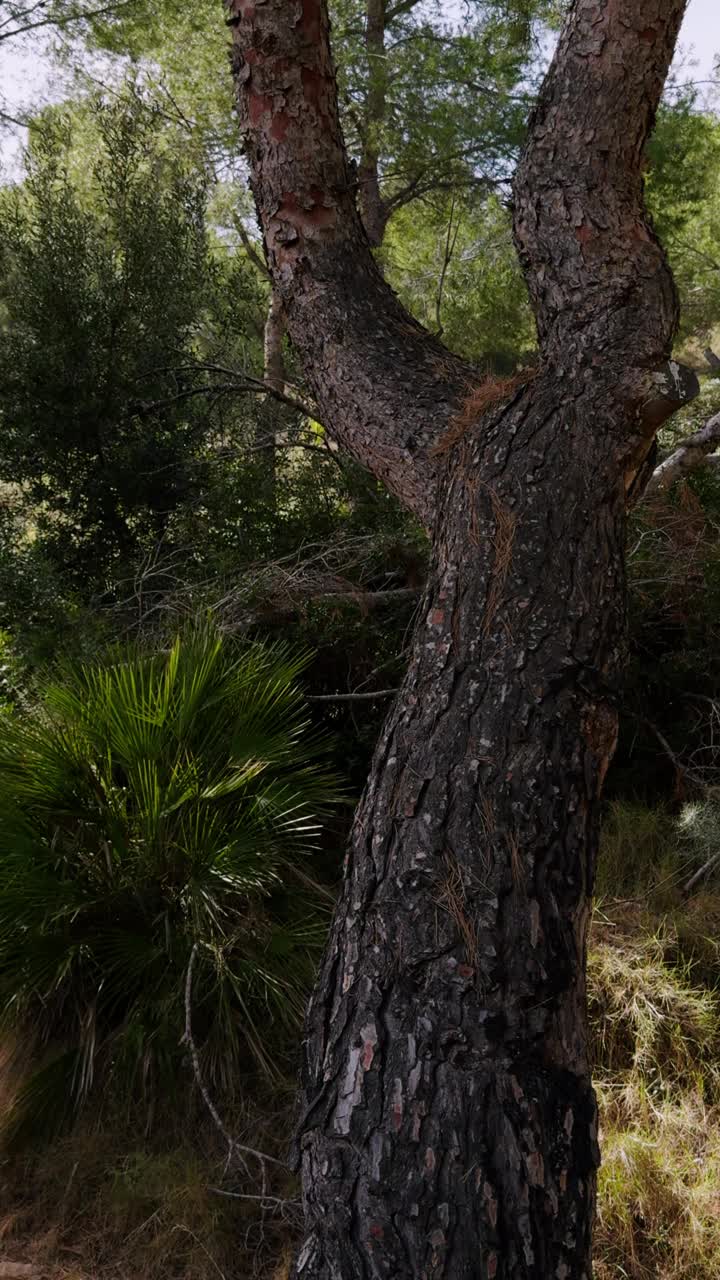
656,1047
655,1004
110,1202
659,1192
650,1022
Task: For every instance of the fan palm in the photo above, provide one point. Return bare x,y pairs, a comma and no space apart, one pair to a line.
151,806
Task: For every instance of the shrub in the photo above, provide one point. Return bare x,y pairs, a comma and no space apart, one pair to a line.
648,1020
659,1194
152,806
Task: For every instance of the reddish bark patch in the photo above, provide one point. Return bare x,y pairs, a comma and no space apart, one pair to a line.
280,126
376,1231
258,104
648,35
312,83
584,233
306,213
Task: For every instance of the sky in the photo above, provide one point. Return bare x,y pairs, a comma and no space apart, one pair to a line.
27,78
701,29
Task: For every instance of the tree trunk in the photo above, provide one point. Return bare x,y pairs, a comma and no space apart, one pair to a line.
447,1123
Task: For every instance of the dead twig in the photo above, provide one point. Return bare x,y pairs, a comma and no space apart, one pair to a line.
234,1148
352,697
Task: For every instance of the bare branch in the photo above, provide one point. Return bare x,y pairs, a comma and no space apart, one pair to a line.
693,452
67,20
681,769
450,242
234,1148
352,697
250,249
242,383
273,344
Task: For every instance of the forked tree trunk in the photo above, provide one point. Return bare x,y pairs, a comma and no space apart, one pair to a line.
448,1124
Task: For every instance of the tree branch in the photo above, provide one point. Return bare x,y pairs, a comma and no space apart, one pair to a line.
385,387
242,383
691,453
250,249
352,697
272,344
234,1148
60,21
581,226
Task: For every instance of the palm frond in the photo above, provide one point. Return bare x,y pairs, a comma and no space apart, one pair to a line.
152,803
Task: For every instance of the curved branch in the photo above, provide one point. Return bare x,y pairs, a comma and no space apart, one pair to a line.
386,388
603,294
693,452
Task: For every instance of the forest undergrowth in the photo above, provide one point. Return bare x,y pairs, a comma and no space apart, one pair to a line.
131,1193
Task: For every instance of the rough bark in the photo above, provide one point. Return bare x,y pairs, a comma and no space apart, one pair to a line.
385,386
447,1124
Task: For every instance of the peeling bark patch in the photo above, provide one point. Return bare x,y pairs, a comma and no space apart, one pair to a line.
300,215
258,104
279,127
370,1040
